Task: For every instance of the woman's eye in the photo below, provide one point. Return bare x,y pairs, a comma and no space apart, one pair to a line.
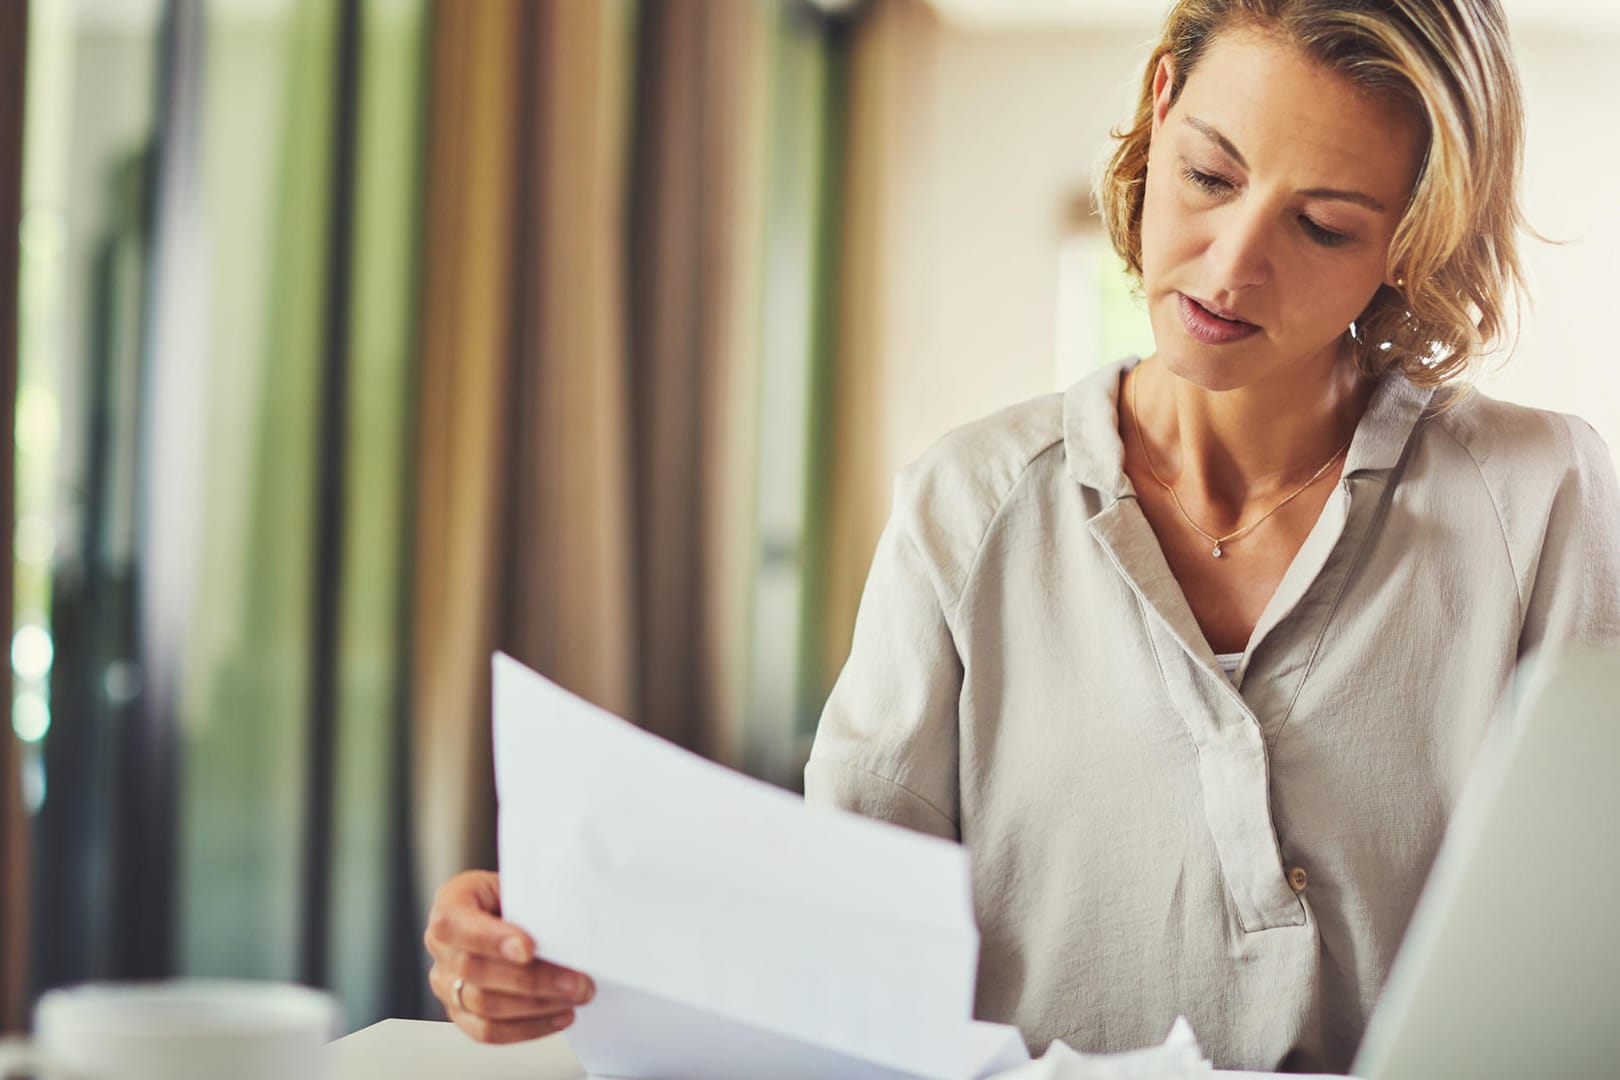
1209,182
1324,236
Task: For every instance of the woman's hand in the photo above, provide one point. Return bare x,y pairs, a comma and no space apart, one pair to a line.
505,993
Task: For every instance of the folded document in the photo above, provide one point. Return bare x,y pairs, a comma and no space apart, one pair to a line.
732,931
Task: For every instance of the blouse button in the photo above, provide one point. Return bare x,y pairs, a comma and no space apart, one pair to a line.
1297,879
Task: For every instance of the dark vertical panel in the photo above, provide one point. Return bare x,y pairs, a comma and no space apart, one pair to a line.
92,623
13,827
814,680
325,609
648,96
144,778
667,304
93,825
407,996
534,25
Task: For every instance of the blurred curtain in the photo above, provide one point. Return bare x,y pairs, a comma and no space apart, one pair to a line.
13,825
804,258
461,426
291,711
392,333
569,366
223,783
373,927
673,183
100,829
889,72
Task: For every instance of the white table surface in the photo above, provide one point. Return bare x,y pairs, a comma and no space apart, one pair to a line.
437,1050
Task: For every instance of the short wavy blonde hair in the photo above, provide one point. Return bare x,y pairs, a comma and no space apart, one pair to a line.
1455,251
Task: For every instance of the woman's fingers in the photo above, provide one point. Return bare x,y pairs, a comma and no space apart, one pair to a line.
500,1018
537,979
494,1017
511,1031
494,1005
480,1001
506,994
466,917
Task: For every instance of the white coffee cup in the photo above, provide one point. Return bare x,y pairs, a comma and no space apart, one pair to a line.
185,1029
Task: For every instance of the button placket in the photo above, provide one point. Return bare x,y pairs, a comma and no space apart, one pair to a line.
1232,765
1235,775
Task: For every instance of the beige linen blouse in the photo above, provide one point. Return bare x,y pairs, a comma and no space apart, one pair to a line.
1152,838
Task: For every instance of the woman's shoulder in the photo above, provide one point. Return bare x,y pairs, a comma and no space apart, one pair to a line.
982,461
986,456
1549,478
946,499
1518,447
1556,503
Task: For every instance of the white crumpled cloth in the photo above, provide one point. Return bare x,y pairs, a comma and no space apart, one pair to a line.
1178,1058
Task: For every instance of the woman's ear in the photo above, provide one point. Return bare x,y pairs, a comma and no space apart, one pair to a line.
1164,82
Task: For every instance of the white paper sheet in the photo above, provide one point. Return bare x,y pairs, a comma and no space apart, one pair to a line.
732,931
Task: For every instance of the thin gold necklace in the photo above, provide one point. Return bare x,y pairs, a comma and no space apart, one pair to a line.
1236,534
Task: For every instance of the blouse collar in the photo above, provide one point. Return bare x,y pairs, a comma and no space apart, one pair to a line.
1096,455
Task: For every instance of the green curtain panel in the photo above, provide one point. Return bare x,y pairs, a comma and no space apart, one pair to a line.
267,217
374,935
90,129
359,338
188,336
801,252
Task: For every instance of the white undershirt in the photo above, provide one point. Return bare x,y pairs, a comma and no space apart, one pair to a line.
1229,662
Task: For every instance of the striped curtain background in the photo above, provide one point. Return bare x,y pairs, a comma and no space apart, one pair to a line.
359,339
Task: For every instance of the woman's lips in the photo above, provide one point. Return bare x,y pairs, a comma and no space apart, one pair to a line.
1206,326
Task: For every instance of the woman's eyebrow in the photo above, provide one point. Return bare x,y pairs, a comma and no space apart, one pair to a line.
1357,197
1218,139
1340,194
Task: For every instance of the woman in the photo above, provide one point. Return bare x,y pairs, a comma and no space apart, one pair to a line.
1195,657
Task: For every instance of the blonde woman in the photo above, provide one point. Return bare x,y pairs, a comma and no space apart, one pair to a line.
1195,656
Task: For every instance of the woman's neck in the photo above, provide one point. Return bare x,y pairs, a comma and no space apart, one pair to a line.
1232,448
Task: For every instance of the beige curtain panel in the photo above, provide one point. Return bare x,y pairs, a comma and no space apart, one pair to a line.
587,378
465,334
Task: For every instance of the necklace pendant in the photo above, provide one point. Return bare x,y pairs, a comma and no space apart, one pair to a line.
1217,551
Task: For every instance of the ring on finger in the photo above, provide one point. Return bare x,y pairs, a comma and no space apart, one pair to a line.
455,994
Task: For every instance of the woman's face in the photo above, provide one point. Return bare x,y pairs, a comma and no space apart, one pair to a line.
1274,187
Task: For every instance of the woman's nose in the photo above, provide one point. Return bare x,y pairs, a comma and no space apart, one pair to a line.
1239,253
